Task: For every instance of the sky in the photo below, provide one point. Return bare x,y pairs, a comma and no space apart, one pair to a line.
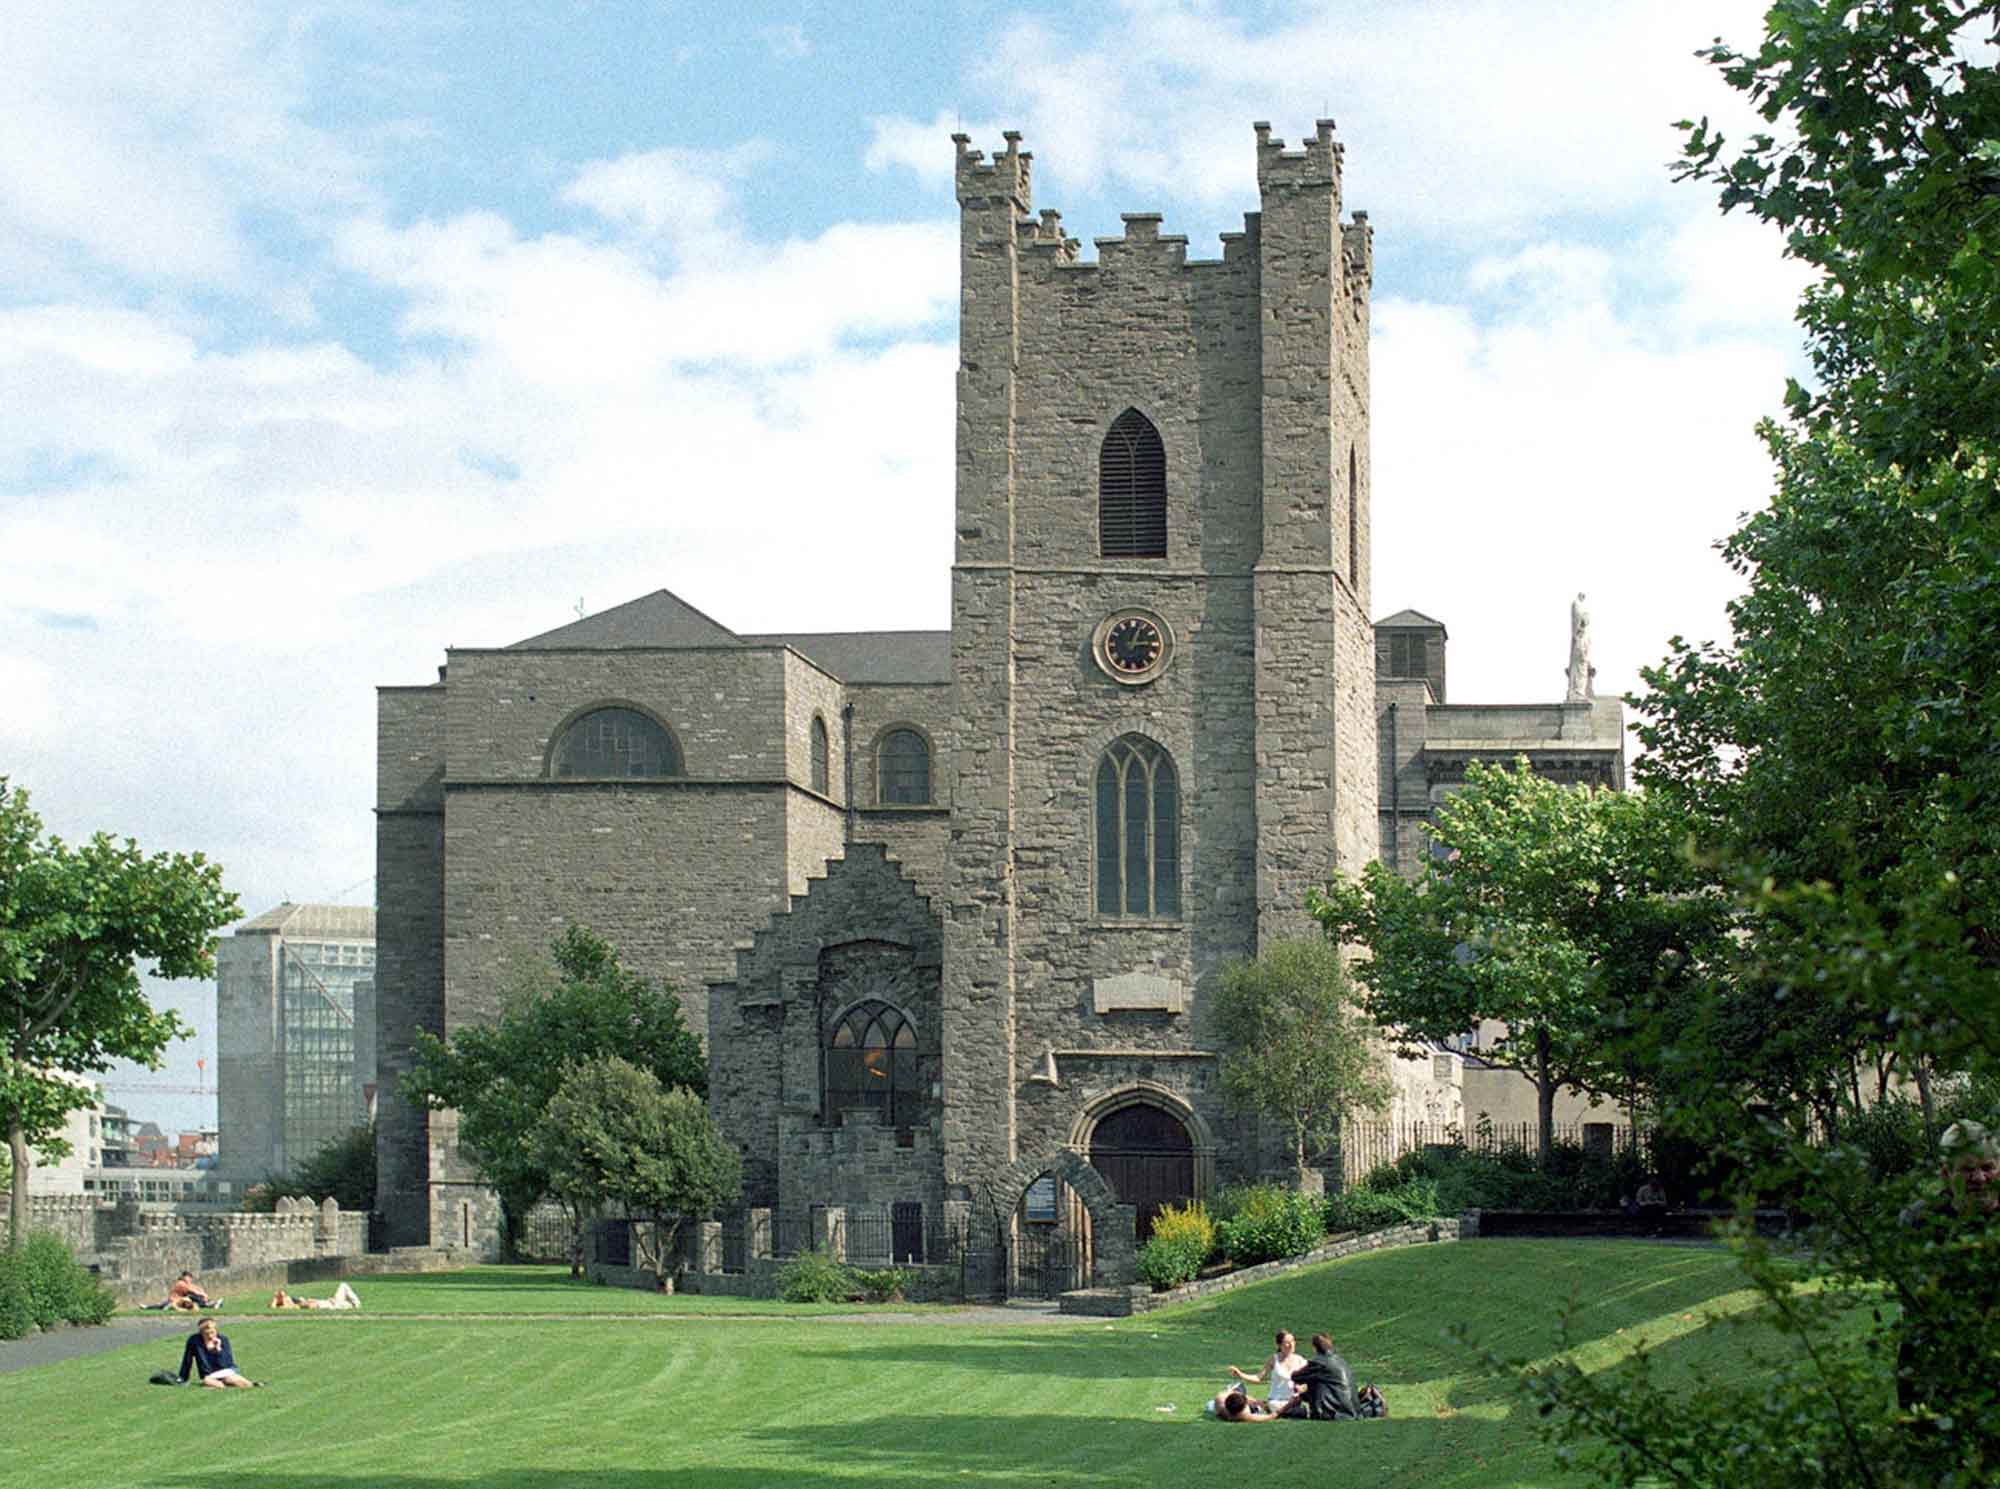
333,335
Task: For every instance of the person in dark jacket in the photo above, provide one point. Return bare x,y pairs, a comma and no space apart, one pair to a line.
1326,1385
208,1354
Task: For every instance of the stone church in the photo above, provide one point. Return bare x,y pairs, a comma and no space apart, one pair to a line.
948,907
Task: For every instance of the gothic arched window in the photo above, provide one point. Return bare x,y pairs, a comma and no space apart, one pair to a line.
903,769
819,755
871,1065
1138,831
1132,490
618,744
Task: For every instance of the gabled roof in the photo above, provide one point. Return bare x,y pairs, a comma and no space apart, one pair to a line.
338,922
871,656
1410,619
661,618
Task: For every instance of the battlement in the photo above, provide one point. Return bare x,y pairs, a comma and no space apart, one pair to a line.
1317,164
1357,243
1008,177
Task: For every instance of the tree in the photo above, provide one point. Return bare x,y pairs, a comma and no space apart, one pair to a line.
1837,757
75,922
611,1135
1296,1047
499,1077
1563,913
344,1167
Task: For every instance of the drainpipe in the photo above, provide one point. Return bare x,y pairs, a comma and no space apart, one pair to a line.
847,763
1395,797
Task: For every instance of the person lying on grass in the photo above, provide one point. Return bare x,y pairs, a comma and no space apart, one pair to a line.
1278,1370
184,1295
1239,1406
343,1297
208,1353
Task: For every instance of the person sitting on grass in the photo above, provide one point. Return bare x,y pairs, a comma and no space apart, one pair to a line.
1278,1370
1325,1385
209,1355
184,1295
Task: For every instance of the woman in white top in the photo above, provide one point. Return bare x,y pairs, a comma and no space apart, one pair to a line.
1278,1370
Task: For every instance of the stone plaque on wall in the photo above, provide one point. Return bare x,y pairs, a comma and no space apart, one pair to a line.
1139,991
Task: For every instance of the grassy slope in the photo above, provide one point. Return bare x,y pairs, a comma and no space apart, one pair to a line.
605,1403
488,1291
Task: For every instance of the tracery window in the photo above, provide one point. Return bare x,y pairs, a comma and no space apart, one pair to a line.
1132,490
619,743
819,755
903,769
1138,831
871,1065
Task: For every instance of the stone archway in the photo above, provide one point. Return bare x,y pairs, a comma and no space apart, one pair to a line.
1113,1225
1146,1154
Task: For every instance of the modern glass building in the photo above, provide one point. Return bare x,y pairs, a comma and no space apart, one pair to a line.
295,1036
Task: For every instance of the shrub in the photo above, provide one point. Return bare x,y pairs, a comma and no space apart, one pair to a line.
42,1285
1263,1222
1183,1238
1367,1208
815,1277
885,1286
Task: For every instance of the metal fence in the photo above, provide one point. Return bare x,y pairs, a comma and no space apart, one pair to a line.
1365,1146
546,1235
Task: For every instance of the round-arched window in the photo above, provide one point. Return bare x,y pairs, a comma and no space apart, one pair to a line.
903,769
615,744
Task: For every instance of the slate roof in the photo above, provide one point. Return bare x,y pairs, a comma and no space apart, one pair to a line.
872,656
335,922
664,620
661,618
1411,618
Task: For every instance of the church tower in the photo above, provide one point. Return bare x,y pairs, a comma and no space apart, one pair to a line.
1163,671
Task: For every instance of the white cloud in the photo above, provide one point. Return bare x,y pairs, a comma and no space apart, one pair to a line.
923,149
787,43
139,135
683,200
1457,114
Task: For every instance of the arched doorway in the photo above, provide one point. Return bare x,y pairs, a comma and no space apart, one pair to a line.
1147,1157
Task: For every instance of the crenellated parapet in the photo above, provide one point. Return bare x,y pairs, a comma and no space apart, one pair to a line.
1316,166
1007,177
1357,243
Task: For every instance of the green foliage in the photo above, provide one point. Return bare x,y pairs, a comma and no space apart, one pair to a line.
815,1277
344,1167
1836,758
1183,1239
1369,1207
75,922
42,1285
1565,914
611,1136
1294,1045
1265,1222
885,1284
499,1077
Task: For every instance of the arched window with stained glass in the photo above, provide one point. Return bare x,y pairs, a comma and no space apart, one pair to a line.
871,1065
615,744
1138,837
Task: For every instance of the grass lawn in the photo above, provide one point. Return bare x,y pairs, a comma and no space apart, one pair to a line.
510,1402
550,1291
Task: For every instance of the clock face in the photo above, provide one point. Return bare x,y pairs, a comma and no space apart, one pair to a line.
1132,646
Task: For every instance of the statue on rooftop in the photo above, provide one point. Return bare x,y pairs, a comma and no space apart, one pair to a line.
1582,687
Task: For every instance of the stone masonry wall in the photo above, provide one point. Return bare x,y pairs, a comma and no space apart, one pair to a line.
409,941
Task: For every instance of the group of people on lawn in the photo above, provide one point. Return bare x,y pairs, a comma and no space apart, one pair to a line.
208,1356
1319,1389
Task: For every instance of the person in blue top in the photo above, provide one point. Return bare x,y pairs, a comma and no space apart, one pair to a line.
207,1354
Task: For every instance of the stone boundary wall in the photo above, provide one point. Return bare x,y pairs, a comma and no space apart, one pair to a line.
248,1289
1118,1302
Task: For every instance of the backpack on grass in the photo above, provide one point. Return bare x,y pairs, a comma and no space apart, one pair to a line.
164,1378
1369,1399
